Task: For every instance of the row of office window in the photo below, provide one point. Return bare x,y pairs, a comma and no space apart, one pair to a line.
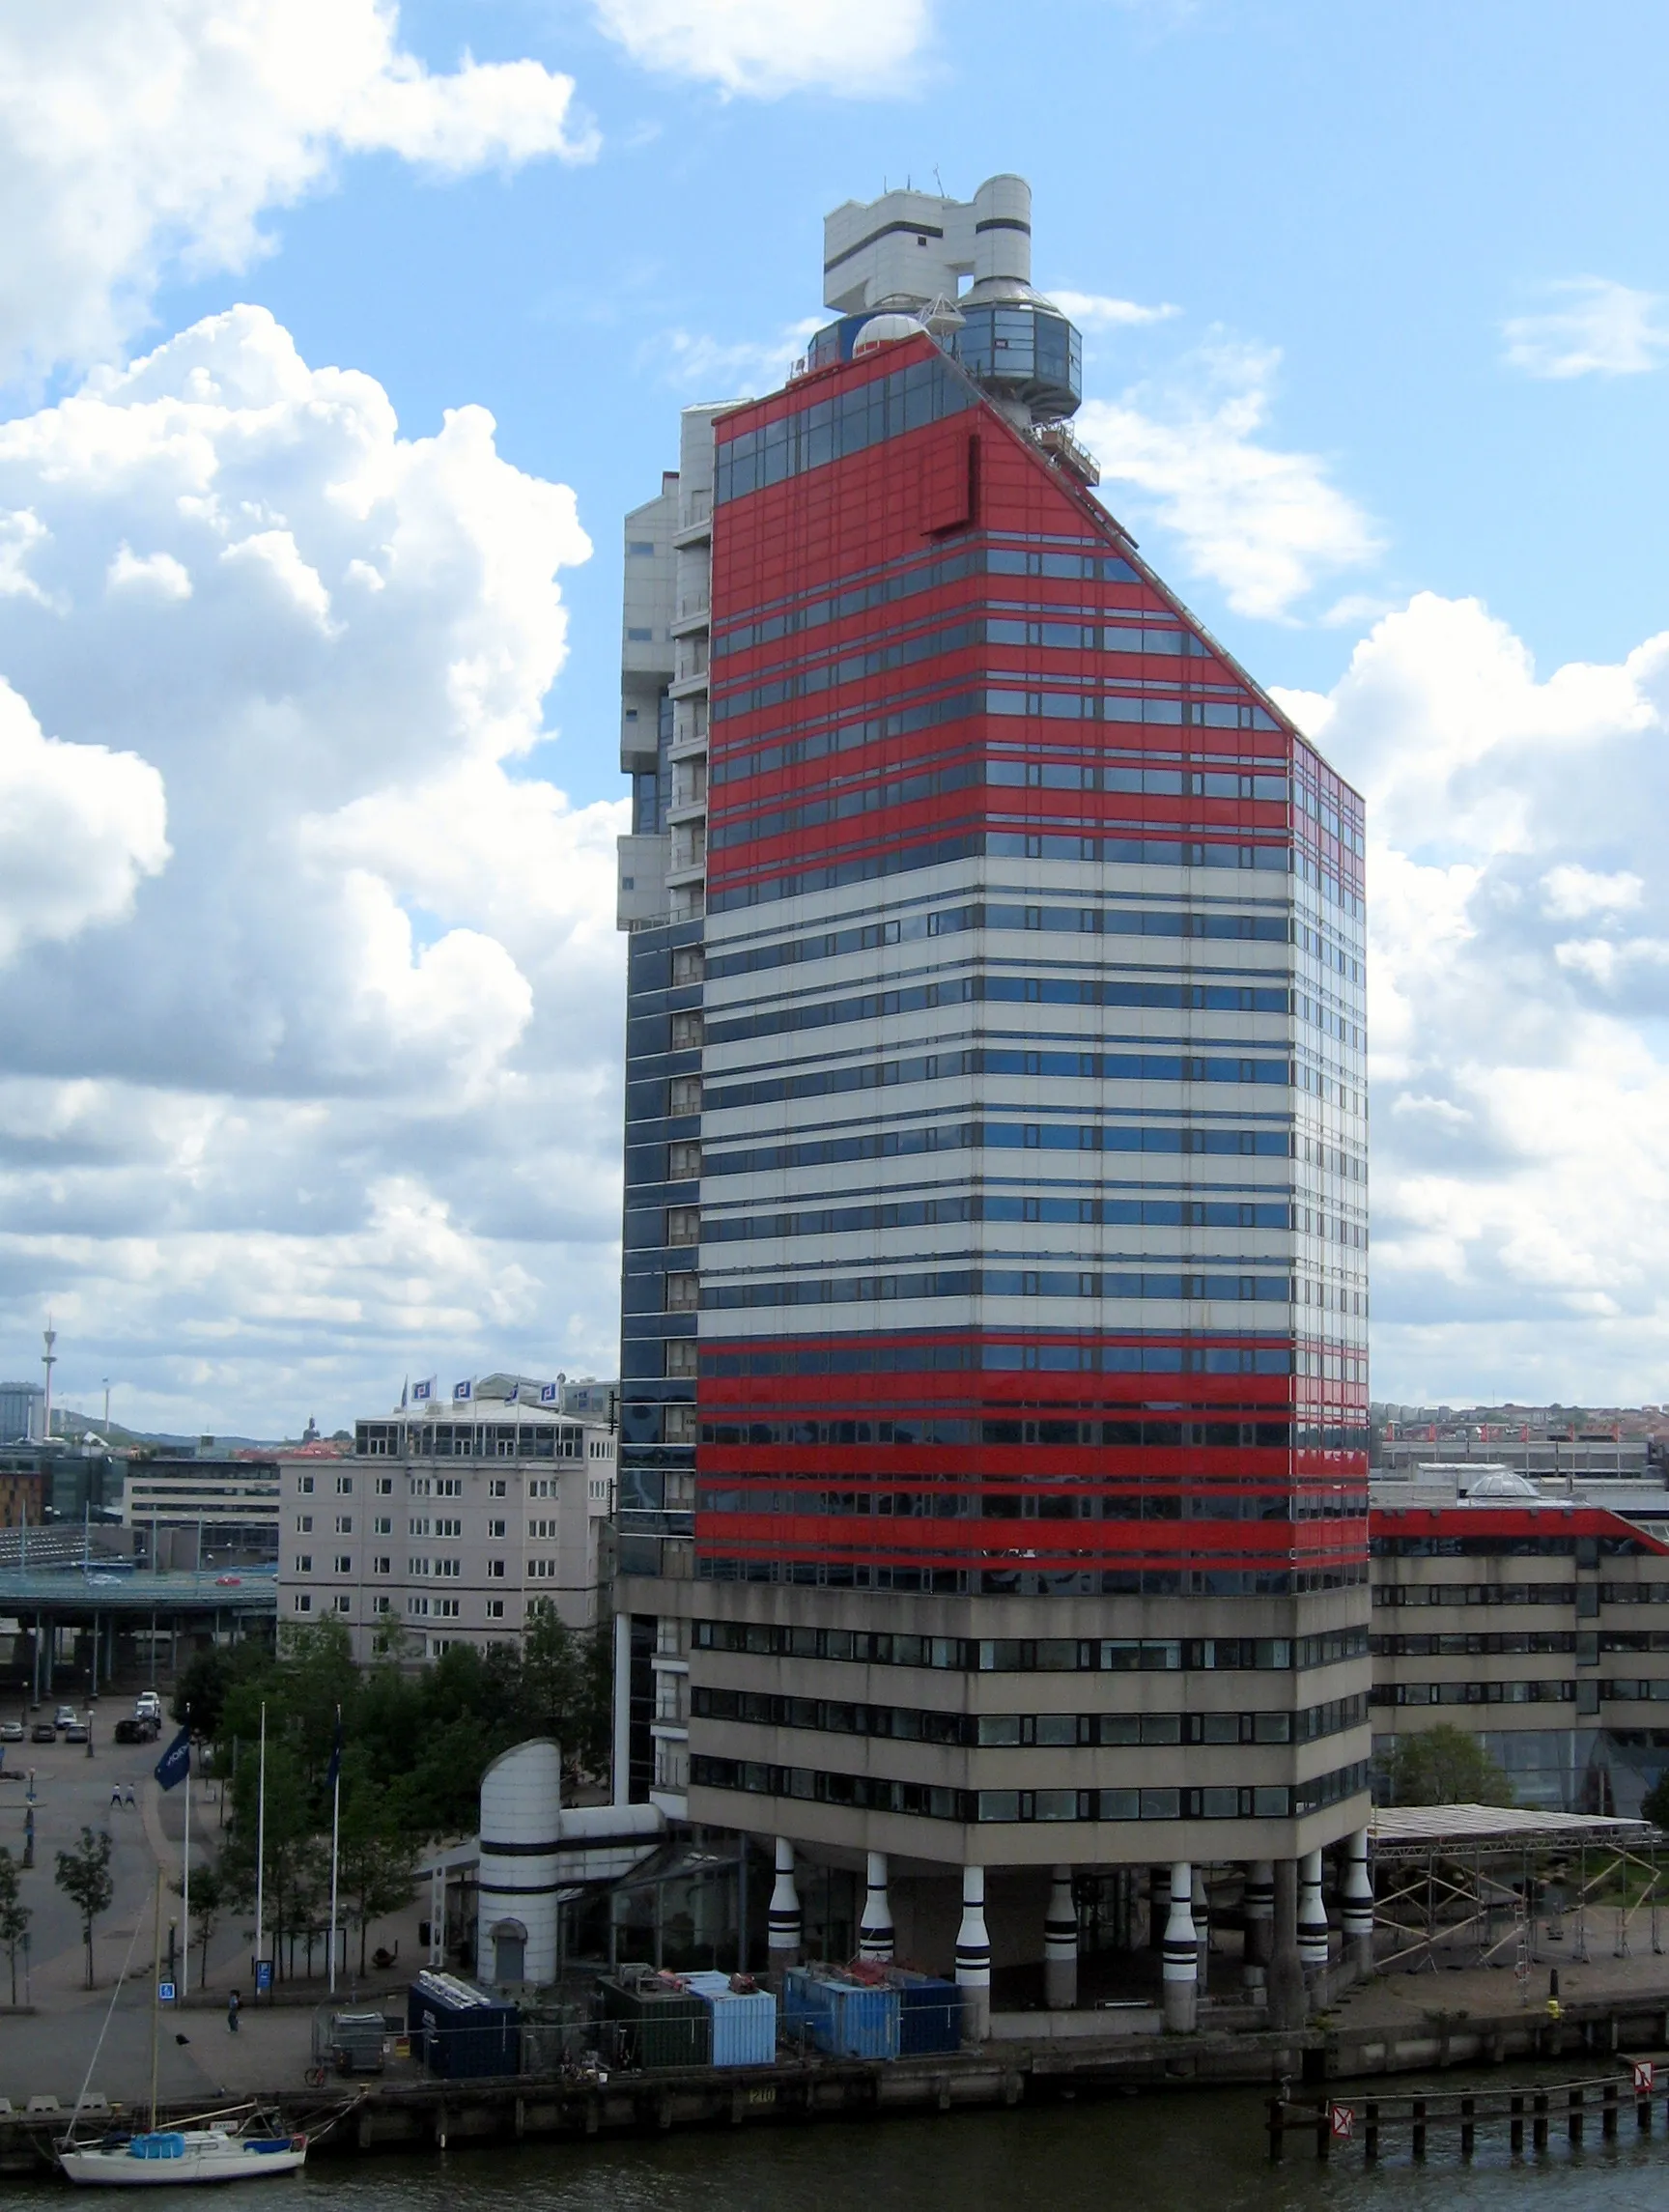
877,1793
1034,1654
1056,920
989,1283
981,986
688,1159
907,581
904,1574
1041,1731
932,1212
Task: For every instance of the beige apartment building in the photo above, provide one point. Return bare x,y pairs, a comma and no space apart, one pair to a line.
456,1523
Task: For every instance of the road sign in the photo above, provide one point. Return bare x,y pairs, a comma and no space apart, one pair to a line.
165,1991
1645,2074
262,1974
1342,2121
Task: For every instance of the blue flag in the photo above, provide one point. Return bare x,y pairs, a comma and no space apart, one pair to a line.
335,1766
175,1763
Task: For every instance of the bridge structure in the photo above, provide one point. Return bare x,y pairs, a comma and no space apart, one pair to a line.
107,1600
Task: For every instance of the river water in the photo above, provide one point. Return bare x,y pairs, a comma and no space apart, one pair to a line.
1199,2152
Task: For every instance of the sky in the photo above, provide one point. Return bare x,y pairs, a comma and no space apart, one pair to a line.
336,339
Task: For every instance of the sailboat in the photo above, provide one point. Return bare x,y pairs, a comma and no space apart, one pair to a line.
167,2157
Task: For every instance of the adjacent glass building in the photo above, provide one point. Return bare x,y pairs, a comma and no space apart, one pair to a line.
994,1361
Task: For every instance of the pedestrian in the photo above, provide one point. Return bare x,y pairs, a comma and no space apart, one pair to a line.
232,2012
116,1793
129,1800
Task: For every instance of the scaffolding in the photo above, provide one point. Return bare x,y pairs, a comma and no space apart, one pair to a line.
1460,1885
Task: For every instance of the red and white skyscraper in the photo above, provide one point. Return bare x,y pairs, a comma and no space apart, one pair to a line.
994,1355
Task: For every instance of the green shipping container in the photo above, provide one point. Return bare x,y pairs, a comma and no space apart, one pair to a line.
661,2024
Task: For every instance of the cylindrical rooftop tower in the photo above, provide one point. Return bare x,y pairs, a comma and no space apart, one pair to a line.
521,1814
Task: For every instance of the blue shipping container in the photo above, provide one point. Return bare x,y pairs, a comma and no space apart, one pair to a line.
459,2032
849,2020
744,2022
929,2013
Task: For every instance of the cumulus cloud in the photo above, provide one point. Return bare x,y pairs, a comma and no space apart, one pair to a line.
1264,525
691,361
313,1078
79,827
1518,985
1603,330
764,48
142,135
1097,311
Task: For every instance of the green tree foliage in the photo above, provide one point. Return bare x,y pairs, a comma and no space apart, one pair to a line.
1656,1806
1445,1765
84,1876
14,1915
416,1741
208,1678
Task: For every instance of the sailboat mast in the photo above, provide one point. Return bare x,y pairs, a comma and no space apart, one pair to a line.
155,1994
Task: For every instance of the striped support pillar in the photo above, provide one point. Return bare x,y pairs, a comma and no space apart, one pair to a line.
974,1958
1356,1902
1201,1931
875,1934
782,1927
1182,1957
1061,1943
1260,1914
1312,1916
1158,1906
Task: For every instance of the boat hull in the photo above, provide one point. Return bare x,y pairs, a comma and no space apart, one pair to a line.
201,2164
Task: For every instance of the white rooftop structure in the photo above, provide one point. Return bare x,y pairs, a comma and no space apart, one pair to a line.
912,248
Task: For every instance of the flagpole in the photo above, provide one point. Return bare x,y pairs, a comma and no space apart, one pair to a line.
186,1875
260,1840
335,1831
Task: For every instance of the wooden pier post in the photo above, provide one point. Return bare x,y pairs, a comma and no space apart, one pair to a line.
1468,2125
1516,2131
1371,2131
1277,2129
1573,2125
1538,2120
1418,2109
1608,2117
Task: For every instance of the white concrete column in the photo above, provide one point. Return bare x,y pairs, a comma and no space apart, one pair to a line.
782,1924
974,1958
1061,1943
1259,1912
875,1932
1182,1957
1356,1902
1311,1918
1158,1906
1201,1908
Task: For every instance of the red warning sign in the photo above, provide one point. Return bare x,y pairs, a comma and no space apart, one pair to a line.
1341,2121
1645,2075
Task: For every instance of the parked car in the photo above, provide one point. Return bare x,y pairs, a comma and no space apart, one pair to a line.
64,1717
43,1732
12,1731
76,1732
148,1706
137,1728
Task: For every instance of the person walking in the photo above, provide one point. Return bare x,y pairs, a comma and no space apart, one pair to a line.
232,2012
116,1794
129,1799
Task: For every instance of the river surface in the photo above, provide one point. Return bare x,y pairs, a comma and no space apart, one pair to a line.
1199,2152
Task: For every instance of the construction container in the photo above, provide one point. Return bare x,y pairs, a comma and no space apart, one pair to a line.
743,2019
459,2032
356,2042
659,2021
847,2019
929,2012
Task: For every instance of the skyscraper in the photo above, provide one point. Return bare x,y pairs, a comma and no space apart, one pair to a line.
994,1362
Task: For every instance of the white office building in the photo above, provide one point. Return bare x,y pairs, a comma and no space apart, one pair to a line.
452,1524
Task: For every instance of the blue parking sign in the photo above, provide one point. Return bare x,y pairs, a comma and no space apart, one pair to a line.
262,1974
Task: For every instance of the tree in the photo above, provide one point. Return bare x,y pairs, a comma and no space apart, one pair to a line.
1445,1765
1656,1806
84,1876
14,1915
376,1860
